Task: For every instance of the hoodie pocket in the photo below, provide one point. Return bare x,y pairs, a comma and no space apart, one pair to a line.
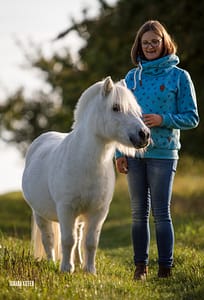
164,138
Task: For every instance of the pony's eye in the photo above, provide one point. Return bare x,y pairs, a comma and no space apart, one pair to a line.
116,107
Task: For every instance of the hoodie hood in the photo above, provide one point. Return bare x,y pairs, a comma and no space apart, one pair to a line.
154,67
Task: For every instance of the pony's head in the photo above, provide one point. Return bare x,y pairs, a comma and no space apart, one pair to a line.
112,113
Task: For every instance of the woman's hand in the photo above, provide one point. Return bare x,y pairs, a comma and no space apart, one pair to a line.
152,120
122,165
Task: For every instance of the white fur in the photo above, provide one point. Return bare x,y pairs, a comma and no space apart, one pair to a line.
70,178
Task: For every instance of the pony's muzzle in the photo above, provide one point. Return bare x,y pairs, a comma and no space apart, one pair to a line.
142,140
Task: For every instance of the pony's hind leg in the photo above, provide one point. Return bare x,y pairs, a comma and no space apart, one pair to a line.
47,236
78,253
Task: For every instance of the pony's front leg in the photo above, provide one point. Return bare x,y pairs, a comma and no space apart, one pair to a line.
68,237
93,229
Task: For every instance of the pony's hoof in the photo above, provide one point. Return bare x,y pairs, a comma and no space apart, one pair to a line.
90,270
67,268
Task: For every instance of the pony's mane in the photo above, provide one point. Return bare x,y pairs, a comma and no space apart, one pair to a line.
124,98
118,95
87,96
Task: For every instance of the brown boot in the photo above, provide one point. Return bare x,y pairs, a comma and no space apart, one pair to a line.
164,271
140,272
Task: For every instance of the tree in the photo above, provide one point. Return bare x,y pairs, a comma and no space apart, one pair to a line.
106,51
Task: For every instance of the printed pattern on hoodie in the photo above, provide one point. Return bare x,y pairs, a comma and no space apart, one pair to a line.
160,87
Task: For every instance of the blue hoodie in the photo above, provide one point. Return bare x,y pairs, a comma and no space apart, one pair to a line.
160,87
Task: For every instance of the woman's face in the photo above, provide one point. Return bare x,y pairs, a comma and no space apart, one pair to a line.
152,45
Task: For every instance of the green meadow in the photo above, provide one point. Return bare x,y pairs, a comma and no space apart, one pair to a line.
23,277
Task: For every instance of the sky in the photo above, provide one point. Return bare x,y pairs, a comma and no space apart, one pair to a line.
23,23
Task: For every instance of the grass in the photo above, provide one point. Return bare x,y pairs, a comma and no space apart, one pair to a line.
114,256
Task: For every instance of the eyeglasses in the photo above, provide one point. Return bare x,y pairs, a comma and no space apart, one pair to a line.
154,43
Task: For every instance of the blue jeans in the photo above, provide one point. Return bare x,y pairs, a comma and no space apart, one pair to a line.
150,183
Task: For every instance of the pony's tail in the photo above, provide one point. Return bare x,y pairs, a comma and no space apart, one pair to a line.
36,242
57,241
38,248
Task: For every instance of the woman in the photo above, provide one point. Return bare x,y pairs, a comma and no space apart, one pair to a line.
167,97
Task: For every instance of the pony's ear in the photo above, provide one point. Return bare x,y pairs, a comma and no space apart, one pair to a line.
107,86
123,83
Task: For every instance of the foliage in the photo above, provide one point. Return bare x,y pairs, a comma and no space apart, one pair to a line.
24,120
107,42
114,256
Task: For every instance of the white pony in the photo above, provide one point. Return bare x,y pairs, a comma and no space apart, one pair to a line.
69,178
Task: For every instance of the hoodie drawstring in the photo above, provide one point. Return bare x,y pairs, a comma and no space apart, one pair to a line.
140,73
135,80
135,76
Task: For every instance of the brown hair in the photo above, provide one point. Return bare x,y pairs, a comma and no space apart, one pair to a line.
169,46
